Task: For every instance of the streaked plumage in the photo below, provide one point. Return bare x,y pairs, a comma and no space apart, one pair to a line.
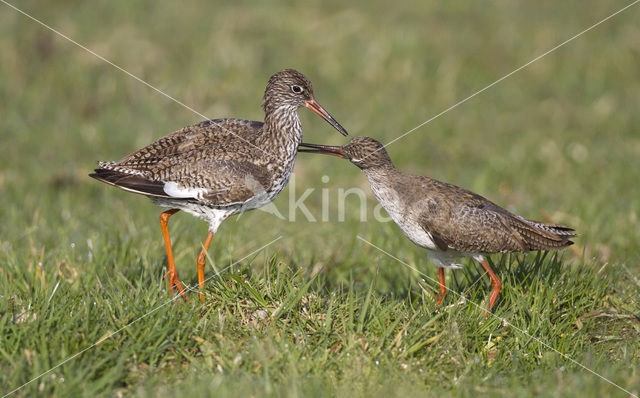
449,221
221,167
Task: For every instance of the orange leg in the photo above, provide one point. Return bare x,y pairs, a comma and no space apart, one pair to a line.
443,289
495,286
202,258
172,273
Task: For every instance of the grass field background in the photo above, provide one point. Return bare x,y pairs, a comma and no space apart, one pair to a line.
319,312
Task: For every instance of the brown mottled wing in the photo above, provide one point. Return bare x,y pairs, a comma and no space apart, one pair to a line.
217,132
198,161
461,220
213,182
469,227
225,182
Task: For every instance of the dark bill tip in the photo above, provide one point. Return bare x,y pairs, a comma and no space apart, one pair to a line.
319,110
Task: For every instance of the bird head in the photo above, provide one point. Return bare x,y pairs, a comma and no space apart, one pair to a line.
291,89
364,152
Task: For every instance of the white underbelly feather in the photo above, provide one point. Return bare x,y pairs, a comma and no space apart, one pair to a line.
412,230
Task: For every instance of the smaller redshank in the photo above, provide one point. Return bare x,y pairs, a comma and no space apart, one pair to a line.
449,221
220,167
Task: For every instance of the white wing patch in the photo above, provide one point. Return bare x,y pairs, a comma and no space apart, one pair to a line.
172,189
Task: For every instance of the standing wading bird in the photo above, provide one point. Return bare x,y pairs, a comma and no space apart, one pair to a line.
220,167
449,221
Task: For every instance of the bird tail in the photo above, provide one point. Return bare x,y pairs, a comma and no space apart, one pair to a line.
537,235
130,182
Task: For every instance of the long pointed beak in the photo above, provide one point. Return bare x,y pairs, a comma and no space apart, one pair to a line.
314,106
323,149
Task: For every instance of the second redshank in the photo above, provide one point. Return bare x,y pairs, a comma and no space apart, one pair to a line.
220,167
449,221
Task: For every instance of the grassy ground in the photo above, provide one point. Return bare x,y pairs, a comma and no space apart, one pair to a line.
319,312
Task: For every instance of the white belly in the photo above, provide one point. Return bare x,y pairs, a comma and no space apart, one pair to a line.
213,216
389,199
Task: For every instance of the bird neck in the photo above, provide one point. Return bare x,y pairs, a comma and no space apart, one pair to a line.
383,185
282,131
381,173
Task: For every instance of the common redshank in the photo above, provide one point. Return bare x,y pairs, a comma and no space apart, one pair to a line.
220,167
449,221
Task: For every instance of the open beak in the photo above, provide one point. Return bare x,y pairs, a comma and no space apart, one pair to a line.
314,106
324,149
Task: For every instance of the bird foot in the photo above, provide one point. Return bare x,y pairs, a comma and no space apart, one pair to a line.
174,281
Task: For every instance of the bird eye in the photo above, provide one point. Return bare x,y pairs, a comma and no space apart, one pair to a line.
296,89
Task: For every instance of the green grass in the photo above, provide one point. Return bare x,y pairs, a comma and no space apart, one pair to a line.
319,312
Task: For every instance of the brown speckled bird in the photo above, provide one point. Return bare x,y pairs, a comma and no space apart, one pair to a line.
220,167
449,221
